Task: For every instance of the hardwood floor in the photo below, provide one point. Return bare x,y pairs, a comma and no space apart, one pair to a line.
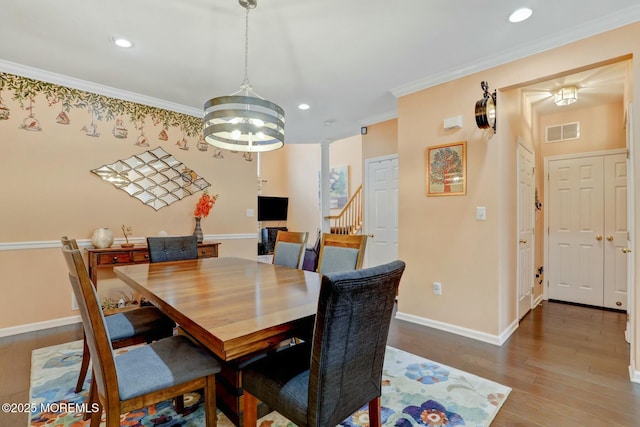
15,366
567,366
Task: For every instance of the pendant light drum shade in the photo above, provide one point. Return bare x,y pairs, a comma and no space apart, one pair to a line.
243,123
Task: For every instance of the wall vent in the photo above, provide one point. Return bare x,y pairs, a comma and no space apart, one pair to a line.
565,132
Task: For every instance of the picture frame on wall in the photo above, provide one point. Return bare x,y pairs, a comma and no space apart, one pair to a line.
338,187
446,169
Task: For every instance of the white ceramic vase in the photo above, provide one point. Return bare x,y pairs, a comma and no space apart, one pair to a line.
102,238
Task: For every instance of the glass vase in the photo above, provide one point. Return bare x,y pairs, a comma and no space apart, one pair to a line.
198,231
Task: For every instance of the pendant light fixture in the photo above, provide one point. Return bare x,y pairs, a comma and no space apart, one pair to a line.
244,121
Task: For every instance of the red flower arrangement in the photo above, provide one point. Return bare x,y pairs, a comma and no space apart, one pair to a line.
205,204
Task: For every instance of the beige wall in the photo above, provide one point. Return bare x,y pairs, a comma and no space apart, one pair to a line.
601,128
348,152
49,191
440,239
293,172
381,140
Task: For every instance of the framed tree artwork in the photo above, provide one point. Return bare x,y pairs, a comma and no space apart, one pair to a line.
447,169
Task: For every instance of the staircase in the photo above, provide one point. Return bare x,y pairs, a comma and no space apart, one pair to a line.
349,220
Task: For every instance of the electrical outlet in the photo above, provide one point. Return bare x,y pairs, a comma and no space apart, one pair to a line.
437,288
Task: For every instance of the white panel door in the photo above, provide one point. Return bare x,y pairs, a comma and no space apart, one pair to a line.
576,230
526,218
382,211
615,229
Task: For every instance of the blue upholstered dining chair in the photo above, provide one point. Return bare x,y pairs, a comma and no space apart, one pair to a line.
289,248
173,248
144,375
322,382
341,252
142,325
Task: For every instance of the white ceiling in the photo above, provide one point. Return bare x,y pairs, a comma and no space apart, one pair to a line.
348,59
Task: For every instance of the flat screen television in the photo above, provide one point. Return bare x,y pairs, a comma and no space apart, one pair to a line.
272,208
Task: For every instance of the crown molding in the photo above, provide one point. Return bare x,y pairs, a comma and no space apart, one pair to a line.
379,118
589,29
59,79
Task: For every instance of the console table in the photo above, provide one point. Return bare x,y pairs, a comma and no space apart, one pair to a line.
139,254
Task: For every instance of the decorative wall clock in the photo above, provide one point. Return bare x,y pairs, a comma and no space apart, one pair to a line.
486,109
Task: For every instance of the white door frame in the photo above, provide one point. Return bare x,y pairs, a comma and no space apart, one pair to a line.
629,332
545,234
366,195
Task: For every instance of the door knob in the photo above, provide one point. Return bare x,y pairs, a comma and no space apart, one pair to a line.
610,238
523,241
371,235
599,237
625,250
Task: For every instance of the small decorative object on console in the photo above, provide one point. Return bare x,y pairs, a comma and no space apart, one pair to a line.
127,231
102,238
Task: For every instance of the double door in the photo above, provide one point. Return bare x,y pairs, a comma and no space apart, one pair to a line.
587,226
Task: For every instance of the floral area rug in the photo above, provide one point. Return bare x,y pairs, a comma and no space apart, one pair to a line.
415,392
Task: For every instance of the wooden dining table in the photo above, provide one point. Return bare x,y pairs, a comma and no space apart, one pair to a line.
237,308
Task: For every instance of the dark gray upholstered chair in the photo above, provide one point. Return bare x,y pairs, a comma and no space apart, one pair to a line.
142,325
289,248
341,252
174,248
322,382
144,375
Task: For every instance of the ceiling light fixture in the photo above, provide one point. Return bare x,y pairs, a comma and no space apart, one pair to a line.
520,15
304,106
122,42
566,96
245,122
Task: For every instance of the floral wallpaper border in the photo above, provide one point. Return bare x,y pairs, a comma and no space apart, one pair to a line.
101,108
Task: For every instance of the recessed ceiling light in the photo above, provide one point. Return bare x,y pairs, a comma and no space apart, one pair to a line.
520,15
304,106
122,42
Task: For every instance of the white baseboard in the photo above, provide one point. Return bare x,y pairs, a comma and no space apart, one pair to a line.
465,332
634,375
538,301
38,326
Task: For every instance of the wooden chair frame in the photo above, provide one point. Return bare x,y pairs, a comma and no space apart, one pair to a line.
353,241
116,344
292,237
106,380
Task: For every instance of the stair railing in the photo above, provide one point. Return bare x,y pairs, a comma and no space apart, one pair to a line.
349,220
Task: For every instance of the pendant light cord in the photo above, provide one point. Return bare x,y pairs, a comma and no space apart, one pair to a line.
245,83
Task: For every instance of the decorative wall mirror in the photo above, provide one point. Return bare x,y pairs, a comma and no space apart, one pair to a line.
154,177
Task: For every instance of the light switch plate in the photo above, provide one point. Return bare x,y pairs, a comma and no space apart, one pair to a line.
481,213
